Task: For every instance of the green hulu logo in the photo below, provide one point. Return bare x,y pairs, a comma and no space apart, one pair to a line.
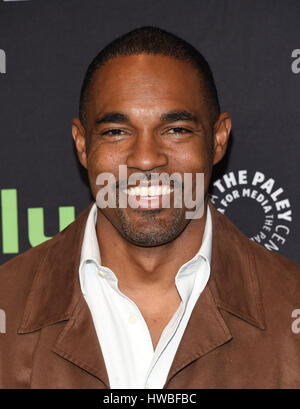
36,233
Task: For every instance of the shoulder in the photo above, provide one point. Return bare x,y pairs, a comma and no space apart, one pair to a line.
16,275
263,256
24,266
278,276
16,278
272,260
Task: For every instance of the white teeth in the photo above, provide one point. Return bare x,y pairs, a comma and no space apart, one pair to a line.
149,191
152,191
143,191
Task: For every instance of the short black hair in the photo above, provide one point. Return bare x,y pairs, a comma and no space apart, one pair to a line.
154,41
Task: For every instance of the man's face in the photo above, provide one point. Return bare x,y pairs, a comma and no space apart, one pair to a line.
148,113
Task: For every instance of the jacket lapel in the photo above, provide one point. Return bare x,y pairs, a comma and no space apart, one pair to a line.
78,343
56,296
233,286
234,280
206,330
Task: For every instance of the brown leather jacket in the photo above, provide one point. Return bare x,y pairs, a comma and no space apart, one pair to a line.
239,334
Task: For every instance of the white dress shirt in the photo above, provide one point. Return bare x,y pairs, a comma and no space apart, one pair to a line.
125,341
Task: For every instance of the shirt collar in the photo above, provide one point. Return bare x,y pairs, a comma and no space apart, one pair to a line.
90,248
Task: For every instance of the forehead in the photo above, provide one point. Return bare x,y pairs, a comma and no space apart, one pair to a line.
146,83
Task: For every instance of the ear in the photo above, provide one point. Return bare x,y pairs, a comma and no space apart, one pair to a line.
222,130
79,137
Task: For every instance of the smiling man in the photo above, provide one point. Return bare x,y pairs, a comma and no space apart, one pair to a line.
144,296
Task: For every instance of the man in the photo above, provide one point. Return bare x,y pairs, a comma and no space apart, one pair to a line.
144,297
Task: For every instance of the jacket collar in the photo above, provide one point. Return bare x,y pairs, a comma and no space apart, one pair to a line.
55,296
55,290
234,280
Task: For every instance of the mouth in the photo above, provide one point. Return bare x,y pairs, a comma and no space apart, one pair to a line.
149,196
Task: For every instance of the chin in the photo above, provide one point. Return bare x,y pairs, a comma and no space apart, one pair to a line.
150,229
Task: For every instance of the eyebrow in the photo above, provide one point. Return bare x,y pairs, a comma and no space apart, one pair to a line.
173,116
109,117
178,116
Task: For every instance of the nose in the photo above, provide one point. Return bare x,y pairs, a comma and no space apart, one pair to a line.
146,153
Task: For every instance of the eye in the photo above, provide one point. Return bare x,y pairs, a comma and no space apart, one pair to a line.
113,132
179,130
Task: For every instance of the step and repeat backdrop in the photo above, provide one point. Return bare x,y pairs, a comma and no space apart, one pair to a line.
253,48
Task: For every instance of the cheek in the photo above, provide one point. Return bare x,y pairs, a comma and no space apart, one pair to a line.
196,158
102,158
